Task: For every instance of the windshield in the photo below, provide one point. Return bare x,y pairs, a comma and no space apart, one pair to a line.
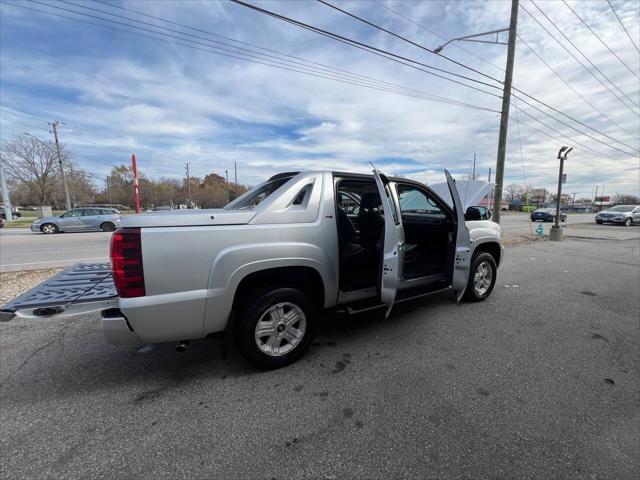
622,208
256,195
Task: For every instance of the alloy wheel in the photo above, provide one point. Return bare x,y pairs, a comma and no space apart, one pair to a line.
482,278
280,329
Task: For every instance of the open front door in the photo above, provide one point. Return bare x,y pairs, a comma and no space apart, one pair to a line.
393,247
462,261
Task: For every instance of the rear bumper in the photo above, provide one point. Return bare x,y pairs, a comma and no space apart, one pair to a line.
116,328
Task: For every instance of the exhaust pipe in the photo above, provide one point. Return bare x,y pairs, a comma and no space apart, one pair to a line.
182,345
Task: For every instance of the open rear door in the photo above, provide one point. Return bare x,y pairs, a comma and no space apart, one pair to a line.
393,247
462,261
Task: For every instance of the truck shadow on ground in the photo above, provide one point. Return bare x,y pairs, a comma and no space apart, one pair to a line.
78,360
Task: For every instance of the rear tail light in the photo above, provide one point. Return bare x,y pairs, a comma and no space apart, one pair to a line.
126,262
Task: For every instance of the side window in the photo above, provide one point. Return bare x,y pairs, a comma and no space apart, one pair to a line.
348,204
303,197
72,213
89,212
413,200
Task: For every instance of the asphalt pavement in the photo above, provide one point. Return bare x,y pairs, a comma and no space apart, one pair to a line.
542,380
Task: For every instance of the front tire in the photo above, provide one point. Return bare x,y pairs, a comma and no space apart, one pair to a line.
49,228
107,227
275,327
482,277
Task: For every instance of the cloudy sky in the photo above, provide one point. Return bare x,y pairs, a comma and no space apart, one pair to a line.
184,97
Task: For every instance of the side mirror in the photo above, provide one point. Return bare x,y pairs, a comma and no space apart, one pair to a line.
472,213
477,213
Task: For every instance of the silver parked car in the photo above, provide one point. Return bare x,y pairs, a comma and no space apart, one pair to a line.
78,220
621,214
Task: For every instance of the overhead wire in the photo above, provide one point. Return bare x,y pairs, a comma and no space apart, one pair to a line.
578,60
251,58
570,139
415,44
600,39
350,14
561,78
422,27
623,27
371,49
580,52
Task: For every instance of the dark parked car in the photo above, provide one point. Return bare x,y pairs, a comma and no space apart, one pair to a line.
547,215
14,214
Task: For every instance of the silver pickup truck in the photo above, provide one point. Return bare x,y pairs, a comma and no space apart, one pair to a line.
266,265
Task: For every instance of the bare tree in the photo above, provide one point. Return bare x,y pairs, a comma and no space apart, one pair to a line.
33,162
512,192
627,199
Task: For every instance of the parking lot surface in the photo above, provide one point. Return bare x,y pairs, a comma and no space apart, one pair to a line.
542,380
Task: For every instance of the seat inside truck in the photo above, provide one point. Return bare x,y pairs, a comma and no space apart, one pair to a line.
428,230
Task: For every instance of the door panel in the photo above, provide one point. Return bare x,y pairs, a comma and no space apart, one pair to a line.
462,259
393,247
70,220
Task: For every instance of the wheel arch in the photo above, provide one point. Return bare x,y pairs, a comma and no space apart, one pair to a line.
243,269
491,247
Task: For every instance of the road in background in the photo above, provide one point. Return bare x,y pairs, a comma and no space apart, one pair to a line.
21,249
578,225
539,381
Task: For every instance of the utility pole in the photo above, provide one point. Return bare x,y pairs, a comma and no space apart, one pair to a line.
556,232
504,118
5,194
473,175
109,191
491,192
226,173
235,173
602,196
67,200
186,166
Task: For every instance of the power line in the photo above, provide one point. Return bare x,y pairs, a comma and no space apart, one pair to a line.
514,88
422,47
567,138
623,27
569,85
273,63
331,69
600,39
395,12
577,60
580,52
369,48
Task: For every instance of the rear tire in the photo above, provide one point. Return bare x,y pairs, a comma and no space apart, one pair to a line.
482,277
107,227
275,327
628,222
49,228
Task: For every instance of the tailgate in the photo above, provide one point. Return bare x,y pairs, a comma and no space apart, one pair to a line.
81,288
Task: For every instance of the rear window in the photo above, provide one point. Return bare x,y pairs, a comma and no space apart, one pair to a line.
256,195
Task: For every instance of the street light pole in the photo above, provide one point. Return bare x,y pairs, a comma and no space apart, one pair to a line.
504,117
556,233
